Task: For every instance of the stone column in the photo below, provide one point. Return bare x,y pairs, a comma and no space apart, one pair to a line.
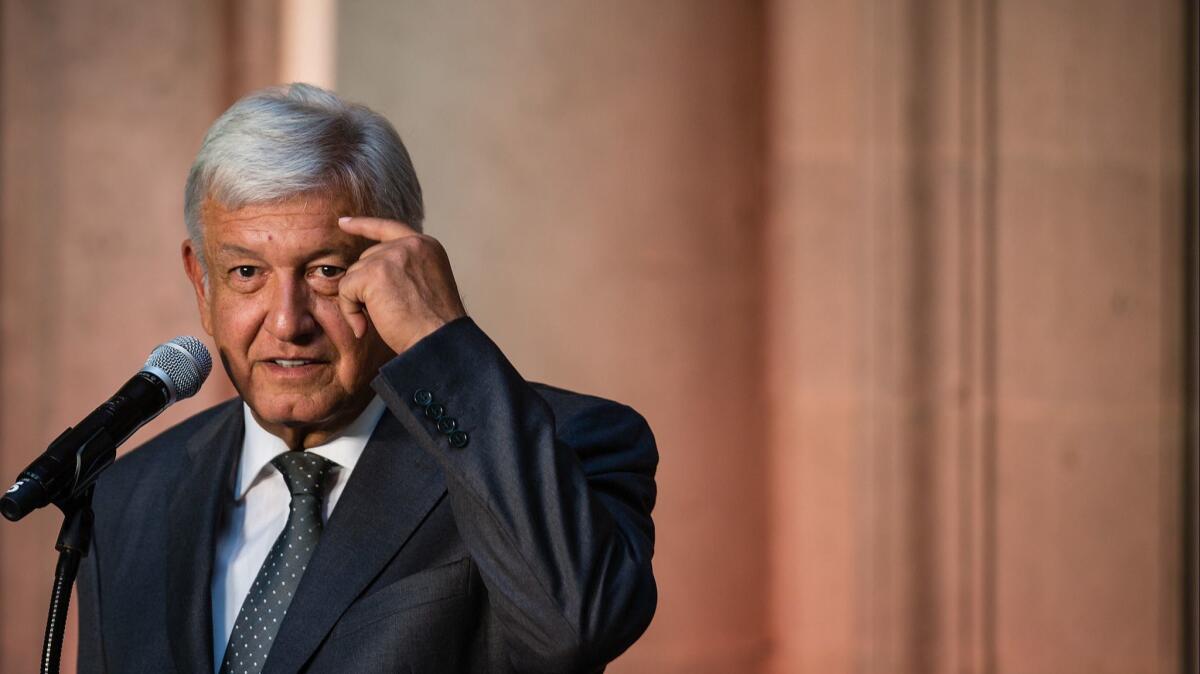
975,336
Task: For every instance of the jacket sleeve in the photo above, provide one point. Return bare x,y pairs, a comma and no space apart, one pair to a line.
554,512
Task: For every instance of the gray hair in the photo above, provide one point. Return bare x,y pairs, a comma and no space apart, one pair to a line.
286,141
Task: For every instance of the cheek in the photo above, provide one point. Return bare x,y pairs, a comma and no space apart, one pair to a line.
235,322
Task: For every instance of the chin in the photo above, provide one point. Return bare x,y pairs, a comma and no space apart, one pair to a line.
294,411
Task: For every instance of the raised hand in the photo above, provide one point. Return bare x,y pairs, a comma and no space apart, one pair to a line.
403,285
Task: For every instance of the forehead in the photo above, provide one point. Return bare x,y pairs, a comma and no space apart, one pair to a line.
297,221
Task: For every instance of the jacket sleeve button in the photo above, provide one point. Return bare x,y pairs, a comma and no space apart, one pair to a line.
435,411
459,439
422,397
447,424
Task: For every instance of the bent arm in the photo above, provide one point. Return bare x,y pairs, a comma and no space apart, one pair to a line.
555,512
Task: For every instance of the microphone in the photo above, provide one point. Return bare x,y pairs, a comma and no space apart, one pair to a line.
174,371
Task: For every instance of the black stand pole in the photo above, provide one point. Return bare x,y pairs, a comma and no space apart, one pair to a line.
73,540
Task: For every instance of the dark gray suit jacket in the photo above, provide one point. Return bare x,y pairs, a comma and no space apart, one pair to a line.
526,550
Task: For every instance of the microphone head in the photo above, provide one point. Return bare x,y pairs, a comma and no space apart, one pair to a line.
184,361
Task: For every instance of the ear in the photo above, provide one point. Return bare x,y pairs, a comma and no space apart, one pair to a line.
195,273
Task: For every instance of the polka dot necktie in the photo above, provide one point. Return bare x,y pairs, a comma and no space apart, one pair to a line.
268,599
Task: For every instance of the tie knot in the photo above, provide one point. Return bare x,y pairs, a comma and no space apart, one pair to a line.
304,472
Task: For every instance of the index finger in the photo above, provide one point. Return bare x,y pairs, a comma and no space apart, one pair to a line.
376,229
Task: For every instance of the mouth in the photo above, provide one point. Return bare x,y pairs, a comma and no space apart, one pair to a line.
290,368
288,363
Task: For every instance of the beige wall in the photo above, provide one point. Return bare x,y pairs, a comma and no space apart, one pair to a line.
593,169
976,339
899,286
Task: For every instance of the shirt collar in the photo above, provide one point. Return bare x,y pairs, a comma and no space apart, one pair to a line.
259,446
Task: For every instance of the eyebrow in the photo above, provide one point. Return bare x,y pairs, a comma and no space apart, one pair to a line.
237,250
326,251
229,248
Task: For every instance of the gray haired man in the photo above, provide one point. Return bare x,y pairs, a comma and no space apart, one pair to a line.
386,493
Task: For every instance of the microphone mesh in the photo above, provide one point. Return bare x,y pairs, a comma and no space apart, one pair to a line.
186,362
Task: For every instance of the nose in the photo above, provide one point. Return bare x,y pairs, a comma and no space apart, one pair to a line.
290,316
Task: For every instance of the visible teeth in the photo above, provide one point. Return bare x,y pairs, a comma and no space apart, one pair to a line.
292,363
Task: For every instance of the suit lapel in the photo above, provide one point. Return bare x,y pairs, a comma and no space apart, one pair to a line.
393,487
192,522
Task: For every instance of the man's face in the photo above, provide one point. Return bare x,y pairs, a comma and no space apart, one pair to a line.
270,304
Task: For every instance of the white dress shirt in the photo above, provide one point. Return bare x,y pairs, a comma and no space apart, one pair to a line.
260,510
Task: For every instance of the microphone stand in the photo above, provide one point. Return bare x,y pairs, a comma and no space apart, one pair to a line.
73,540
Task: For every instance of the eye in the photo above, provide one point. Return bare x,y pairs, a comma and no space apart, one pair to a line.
245,271
329,271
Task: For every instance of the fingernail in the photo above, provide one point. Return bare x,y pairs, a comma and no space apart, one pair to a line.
343,220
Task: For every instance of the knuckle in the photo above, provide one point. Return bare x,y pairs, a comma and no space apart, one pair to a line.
414,242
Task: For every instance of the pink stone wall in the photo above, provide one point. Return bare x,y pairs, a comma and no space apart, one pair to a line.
103,108
899,286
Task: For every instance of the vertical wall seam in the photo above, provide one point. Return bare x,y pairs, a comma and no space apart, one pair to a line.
990,339
1174,353
919,364
765,295
967,604
228,35
3,247
866,585
1189,605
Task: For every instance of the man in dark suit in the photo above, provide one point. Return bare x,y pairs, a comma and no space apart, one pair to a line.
387,493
